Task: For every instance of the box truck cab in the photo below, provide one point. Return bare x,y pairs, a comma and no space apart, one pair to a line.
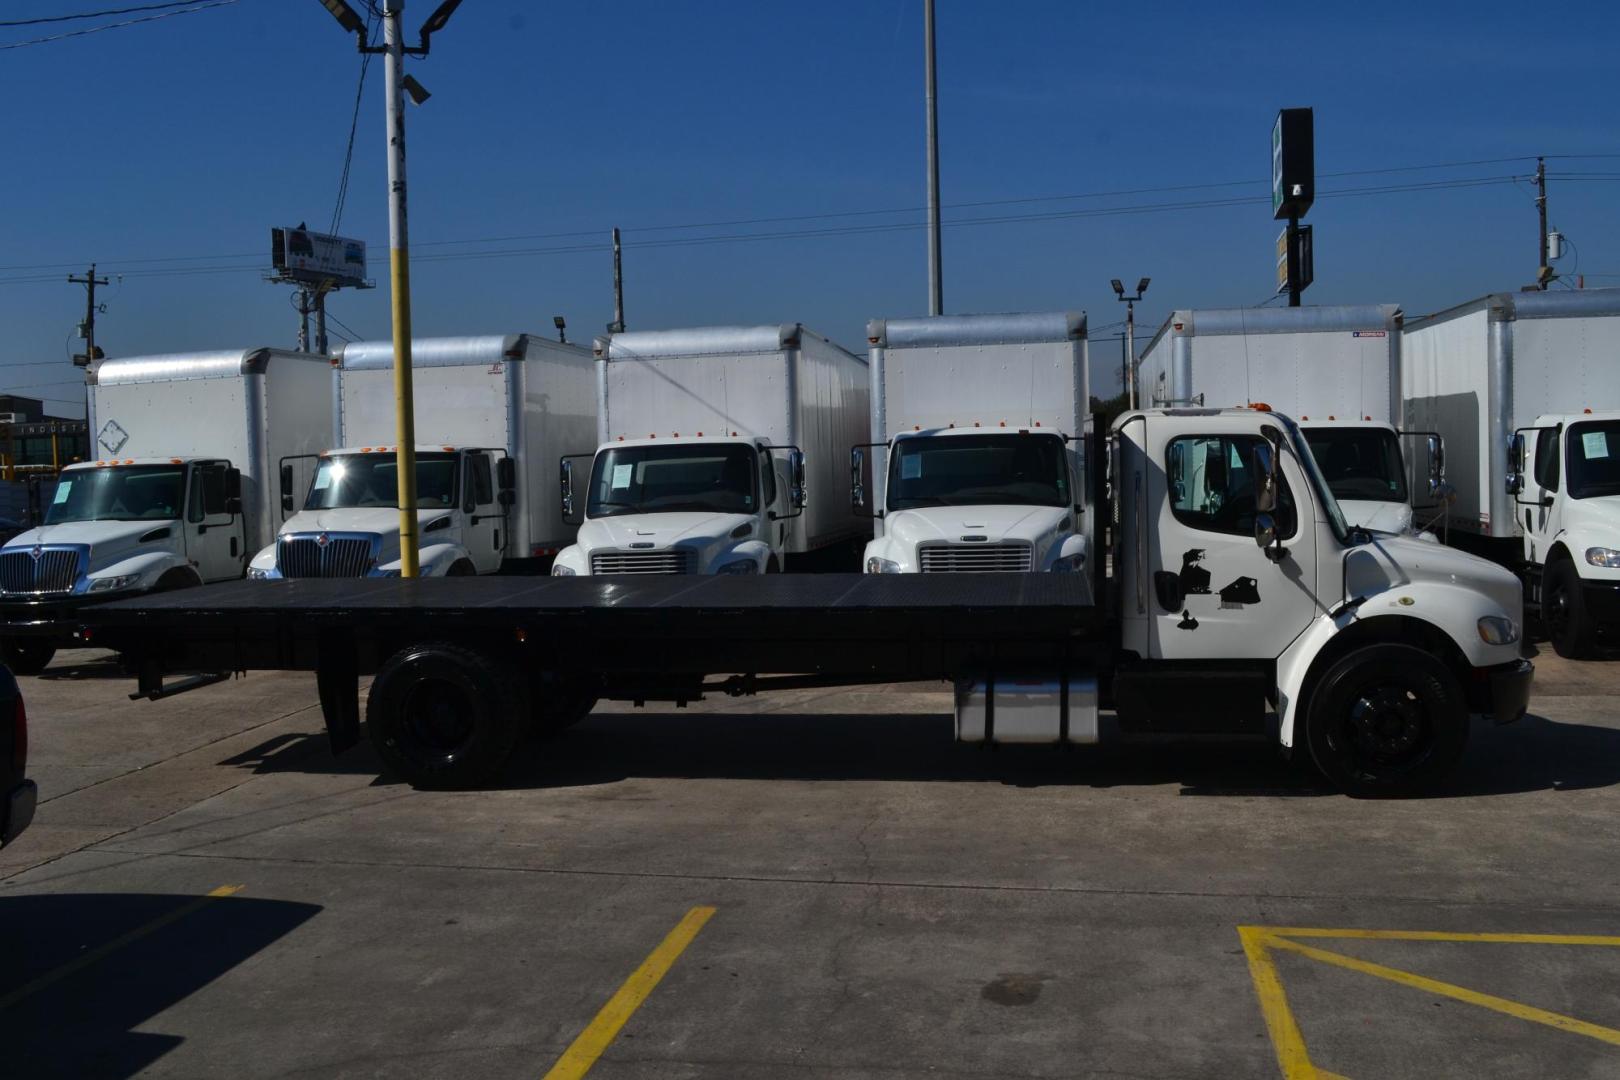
183,496
1564,477
719,452
495,405
1334,370
977,462
348,525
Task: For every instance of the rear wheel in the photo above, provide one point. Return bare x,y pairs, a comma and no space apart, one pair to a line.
1563,612
26,657
1386,720
442,716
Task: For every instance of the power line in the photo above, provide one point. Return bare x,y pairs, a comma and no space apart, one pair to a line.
118,25
354,125
99,14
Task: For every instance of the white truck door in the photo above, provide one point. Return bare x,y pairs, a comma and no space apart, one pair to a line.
213,535
1211,590
486,530
1537,504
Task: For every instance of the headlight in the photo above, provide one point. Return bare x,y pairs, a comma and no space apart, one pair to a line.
256,574
559,570
1601,556
1071,564
741,566
875,565
1498,630
117,581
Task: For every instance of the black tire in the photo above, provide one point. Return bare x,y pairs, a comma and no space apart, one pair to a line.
1564,614
444,717
26,657
461,569
1386,720
555,707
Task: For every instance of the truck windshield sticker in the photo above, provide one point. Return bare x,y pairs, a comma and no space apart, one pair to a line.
911,467
323,478
62,490
621,477
1595,444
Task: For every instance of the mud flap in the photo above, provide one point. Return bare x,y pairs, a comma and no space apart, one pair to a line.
337,677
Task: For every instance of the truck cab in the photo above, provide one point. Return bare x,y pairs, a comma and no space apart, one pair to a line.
682,506
1363,463
348,525
1564,478
114,528
974,499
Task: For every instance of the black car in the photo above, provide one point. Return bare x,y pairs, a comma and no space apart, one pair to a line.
17,792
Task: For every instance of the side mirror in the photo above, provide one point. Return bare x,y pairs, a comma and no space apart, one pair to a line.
233,484
566,483
1515,463
796,471
506,477
36,515
233,505
286,489
1265,533
1265,482
857,470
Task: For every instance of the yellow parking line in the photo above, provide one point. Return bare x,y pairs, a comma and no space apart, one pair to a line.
1459,993
577,1060
1433,935
80,963
1292,1057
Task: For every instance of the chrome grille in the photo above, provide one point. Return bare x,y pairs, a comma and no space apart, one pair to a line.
971,558
340,556
55,571
643,562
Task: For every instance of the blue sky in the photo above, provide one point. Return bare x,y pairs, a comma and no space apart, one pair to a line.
193,135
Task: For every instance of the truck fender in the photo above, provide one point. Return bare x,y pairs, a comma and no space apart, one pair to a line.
436,560
1071,545
572,558
1382,619
152,563
757,550
264,559
1573,544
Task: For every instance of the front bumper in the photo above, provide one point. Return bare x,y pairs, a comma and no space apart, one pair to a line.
1503,692
55,618
17,811
1602,601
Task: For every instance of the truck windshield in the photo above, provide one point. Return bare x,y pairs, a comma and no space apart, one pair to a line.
1594,458
125,493
1324,494
656,479
351,480
1359,462
978,470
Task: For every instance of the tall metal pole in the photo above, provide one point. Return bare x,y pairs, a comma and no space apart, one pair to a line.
89,281
320,320
618,286
1130,349
303,320
936,288
1543,271
1124,368
399,276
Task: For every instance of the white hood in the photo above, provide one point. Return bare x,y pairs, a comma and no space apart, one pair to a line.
109,539
658,531
382,520
1037,525
1377,515
1390,561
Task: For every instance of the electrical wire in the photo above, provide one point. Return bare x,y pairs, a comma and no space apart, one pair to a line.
118,25
354,125
99,14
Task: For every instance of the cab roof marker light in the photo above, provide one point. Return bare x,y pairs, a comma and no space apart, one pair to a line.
1004,423
450,449
175,461
1366,417
1037,423
1587,412
1332,417
1304,418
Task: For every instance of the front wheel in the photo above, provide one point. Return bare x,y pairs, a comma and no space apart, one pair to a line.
26,657
1563,612
442,716
1386,720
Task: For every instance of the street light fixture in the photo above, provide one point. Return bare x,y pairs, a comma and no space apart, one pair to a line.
1128,376
396,85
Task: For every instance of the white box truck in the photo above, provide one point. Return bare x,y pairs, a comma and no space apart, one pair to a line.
492,413
1525,387
181,493
977,455
720,451
1335,370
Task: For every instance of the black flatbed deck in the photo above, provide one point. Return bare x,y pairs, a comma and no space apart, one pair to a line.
914,626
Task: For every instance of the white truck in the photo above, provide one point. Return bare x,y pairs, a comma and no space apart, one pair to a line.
718,452
182,491
497,409
977,453
1335,370
1525,387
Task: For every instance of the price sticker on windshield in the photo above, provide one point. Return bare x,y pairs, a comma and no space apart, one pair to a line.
911,467
1595,444
621,477
62,490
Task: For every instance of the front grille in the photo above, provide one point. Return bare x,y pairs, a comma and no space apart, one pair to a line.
340,556
975,558
55,571
643,562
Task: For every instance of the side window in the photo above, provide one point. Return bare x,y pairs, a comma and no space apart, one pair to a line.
1211,485
767,478
1545,469
195,510
483,480
213,490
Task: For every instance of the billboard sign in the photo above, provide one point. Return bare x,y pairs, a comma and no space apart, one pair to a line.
317,258
1296,262
1293,163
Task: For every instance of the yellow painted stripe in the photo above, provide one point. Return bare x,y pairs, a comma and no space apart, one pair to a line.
79,963
1286,1040
1459,993
583,1052
1436,935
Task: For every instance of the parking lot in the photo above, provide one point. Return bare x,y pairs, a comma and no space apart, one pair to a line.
804,884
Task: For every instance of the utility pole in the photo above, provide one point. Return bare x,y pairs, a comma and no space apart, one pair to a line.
88,332
399,273
936,288
320,319
1130,334
618,288
1544,273
303,320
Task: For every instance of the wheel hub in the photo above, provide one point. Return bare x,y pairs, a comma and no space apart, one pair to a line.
1388,721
